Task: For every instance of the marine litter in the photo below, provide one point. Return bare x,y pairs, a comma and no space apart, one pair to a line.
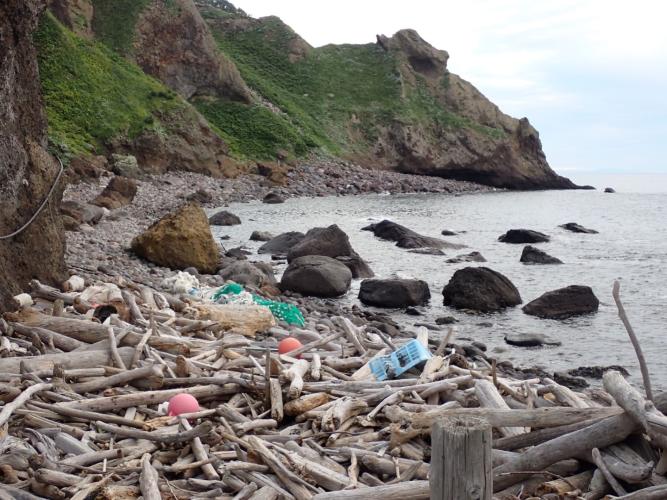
87,377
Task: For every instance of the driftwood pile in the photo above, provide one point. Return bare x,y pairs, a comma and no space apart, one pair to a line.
84,389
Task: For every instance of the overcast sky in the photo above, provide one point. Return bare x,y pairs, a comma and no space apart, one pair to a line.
590,75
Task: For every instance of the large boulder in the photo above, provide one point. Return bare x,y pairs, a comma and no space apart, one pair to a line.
406,238
573,300
261,236
82,213
331,242
532,255
394,292
224,218
282,243
523,236
480,289
576,228
248,274
118,193
125,166
179,240
317,275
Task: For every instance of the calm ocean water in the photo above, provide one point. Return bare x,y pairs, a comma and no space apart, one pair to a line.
631,246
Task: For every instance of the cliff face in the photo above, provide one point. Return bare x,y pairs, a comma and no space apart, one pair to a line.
27,171
263,91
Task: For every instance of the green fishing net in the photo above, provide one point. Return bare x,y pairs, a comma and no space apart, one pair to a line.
288,313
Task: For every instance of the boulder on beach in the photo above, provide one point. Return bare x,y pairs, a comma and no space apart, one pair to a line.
532,255
180,239
609,190
529,339
331,242
82,213
573,300
467,257
118,193
394,292
406,238
282,243
125,166
273,198
200,196
248,274
261,236
224,218
523,236
480,289
576,228
317,276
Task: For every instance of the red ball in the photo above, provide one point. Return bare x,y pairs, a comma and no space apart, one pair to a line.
182,403
288,344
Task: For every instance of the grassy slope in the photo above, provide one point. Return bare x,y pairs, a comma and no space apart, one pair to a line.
92,94
336,97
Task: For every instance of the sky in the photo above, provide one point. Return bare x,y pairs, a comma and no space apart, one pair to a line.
590,75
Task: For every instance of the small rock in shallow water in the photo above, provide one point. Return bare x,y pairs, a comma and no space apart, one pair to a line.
569,381
447,232
446,320
609,190
532,255
413,311
273,198
563,303
224,218
576,228
596,371
523,236
468,257
529,339
261,236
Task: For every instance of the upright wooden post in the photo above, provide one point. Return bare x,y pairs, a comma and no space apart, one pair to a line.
461,462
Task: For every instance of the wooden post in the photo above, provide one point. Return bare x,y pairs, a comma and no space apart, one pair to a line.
461,460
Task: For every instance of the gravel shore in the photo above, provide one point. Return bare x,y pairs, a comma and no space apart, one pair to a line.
96,251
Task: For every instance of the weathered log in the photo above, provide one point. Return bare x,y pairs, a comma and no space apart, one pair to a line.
410,490
565,485
489,397
604,433
46,362
148,481
20,400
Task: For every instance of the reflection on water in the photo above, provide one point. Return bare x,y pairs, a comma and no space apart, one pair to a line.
631,246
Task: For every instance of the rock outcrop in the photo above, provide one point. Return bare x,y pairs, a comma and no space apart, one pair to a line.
173,44
573,300
480,289
282,243
317,276
27,170
394,292
179,240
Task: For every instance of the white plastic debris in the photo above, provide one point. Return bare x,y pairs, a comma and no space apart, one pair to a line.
181,282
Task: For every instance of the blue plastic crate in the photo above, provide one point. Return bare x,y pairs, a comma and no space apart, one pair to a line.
399,361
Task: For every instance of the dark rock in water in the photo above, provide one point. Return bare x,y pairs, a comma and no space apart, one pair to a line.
480,289
273,198
596,371
447,232
485,324
573,300
317,275
529,339
331,242
446,320
523,236
532,255
406,238
427,251
413,311
576,228
247,274
563,378
225,237
201,196
609,190
394,292
282,243
261,236
587,187
237,253
468,257
224,218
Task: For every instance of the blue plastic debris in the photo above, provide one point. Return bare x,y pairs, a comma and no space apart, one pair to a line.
399,361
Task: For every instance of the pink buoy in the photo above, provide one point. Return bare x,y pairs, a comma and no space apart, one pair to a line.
289,344
182,403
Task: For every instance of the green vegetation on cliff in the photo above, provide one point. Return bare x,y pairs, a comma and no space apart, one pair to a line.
114,22
92,94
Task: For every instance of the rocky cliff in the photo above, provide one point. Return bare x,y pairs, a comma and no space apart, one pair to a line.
261,91
27,171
